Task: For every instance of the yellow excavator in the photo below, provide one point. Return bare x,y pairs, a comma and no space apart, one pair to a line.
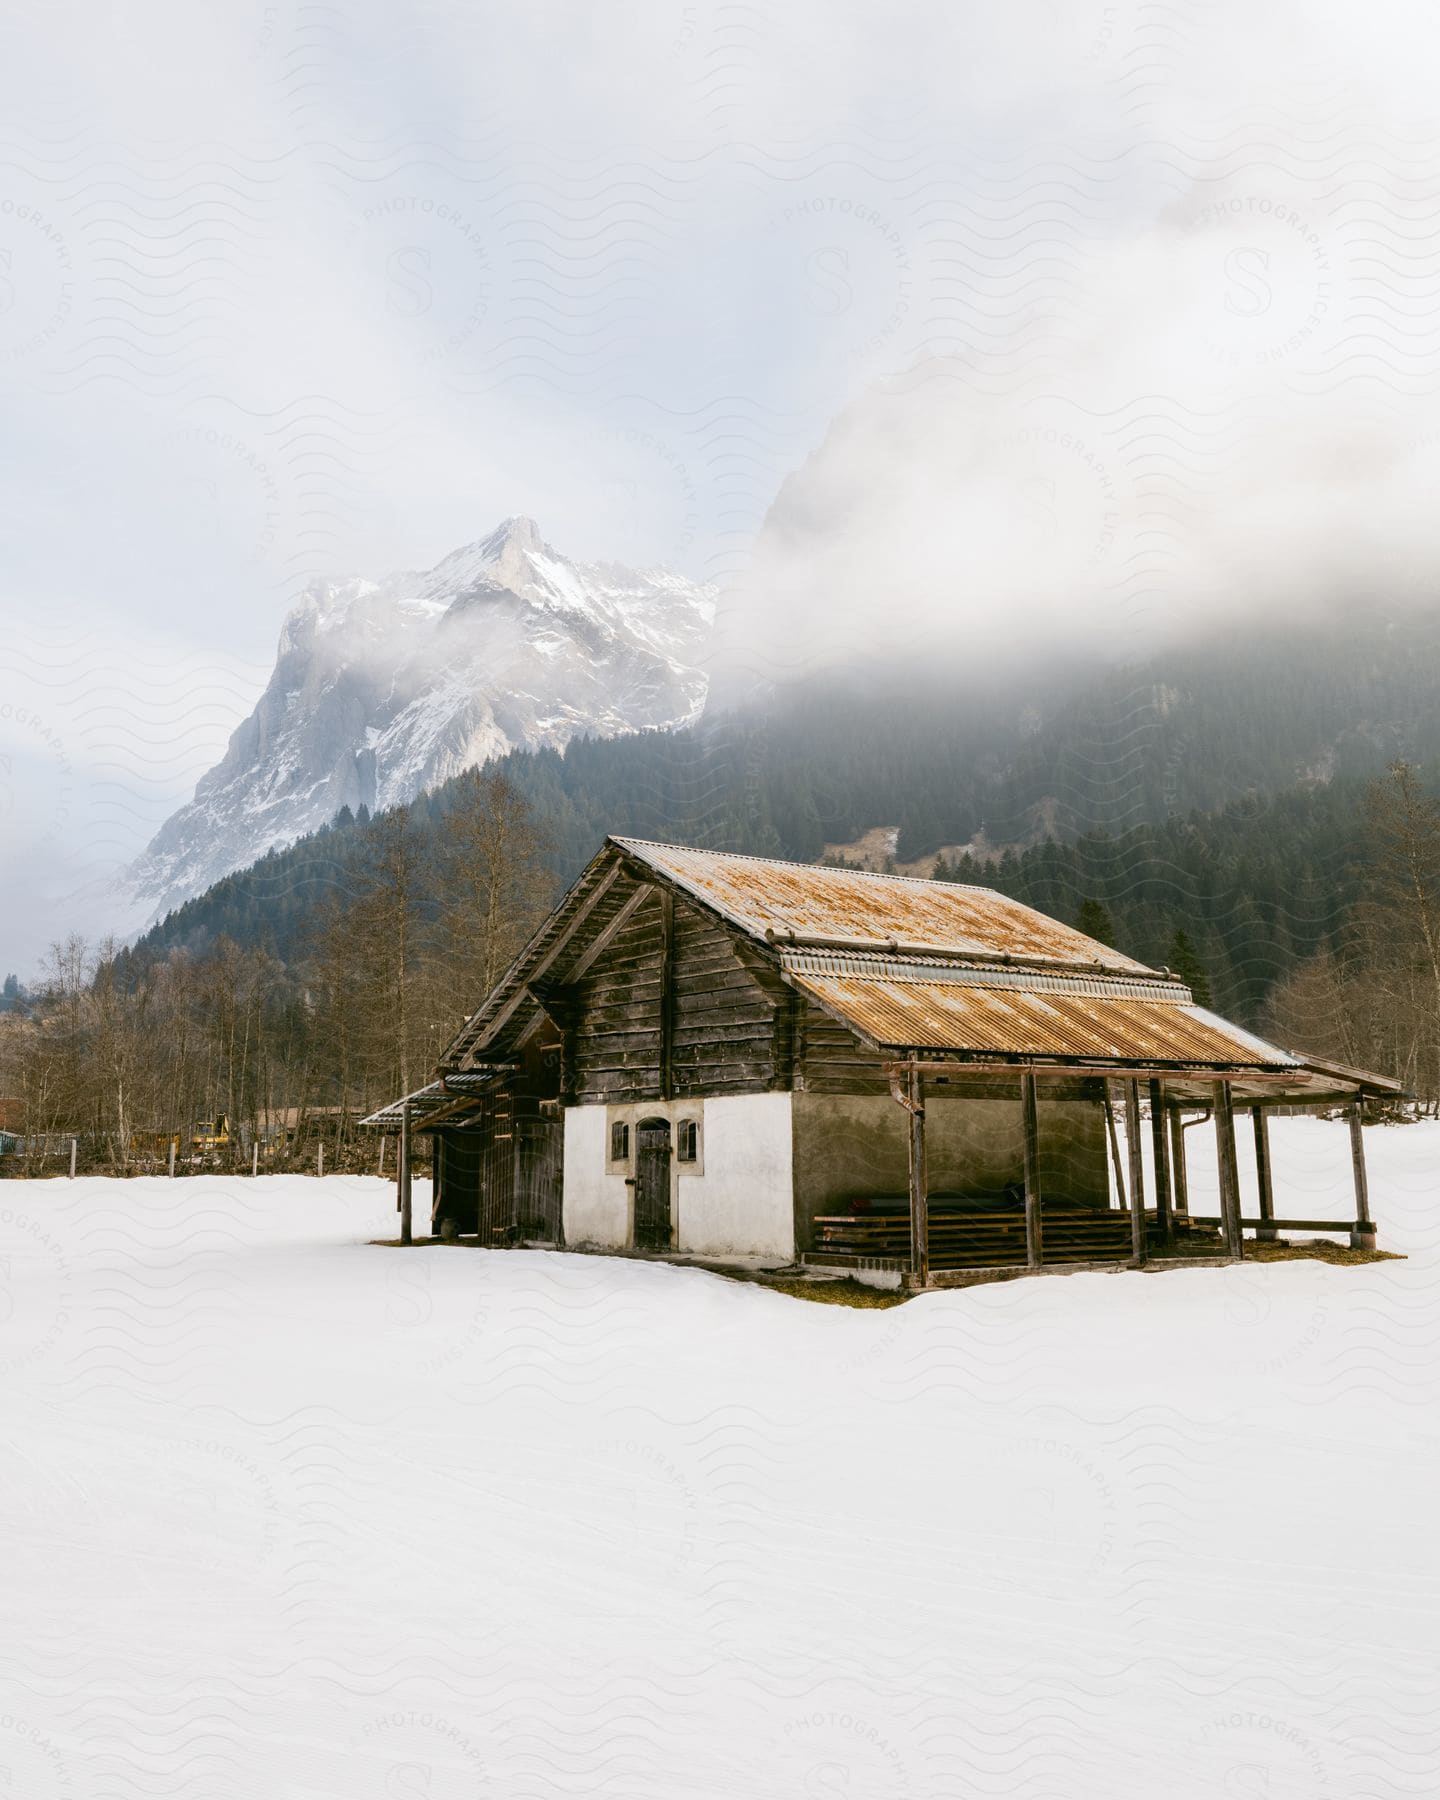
210,1136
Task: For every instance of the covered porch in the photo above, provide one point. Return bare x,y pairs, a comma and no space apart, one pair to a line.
1149,1110
490,1139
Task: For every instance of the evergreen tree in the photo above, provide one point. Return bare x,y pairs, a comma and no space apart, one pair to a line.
1184,961
1093,919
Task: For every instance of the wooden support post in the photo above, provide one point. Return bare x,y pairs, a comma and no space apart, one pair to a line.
919,1182
1362,1234
1137,1170
1160,1149
1114,1146
319,1159
1263,1173
255,1157
1229,1170
172,1159
907,1089
1034,1199
381,1170
1179,1168
74,1146
403,1175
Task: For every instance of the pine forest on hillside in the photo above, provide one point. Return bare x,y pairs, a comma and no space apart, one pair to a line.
1258,847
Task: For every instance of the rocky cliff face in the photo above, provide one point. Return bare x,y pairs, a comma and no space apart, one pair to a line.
383,689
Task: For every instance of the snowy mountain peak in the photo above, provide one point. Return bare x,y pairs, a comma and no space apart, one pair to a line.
385,688
518,534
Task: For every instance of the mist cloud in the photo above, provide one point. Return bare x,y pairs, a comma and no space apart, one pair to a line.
1124,313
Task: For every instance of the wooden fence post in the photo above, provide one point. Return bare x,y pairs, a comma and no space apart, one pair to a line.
320,1159
1034,1200
172,1158
255,1157
74,1146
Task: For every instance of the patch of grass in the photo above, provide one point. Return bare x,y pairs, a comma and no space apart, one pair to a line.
833,1293
1317,1250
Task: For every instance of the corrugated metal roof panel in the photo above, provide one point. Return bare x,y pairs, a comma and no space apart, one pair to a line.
759,895
452,1090
948,1016
1099,985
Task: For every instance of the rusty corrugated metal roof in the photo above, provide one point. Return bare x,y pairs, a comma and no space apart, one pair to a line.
949,1016
761,895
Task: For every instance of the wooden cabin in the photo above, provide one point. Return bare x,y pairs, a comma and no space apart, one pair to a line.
720,1056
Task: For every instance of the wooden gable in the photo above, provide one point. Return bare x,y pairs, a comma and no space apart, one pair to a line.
668,1004
651,995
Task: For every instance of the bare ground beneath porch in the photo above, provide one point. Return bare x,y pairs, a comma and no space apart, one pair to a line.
1320,1251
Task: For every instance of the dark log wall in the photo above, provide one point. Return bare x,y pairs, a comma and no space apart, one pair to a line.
615,1009
728,1021
729,1014
832,1060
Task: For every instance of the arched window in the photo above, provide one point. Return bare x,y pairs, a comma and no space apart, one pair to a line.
619,1142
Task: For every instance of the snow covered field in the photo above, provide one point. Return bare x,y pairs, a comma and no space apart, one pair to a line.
288,1516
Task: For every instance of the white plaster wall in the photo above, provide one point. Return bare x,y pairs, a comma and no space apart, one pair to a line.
596,1204
743,1205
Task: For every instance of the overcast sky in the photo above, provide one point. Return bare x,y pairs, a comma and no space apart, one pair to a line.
1140,298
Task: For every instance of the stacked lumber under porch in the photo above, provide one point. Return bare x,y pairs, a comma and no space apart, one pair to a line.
967,1237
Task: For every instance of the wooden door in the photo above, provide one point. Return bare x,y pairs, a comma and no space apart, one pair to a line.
652,1185
540,1148
497,1182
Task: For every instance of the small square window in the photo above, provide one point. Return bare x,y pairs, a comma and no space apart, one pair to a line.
619,1141
687,1141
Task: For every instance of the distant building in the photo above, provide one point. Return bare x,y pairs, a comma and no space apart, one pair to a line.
12,1120
723,1056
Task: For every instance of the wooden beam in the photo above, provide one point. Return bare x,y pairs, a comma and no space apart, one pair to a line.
442,1115
997,1062
1229,1170
1263,1172
1179,1166
919,1183
1114,1136
403,1175
602,940
546,958
796,1016
1160,1150
1034,1207
1363,1235
1137,1170
1330,1225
